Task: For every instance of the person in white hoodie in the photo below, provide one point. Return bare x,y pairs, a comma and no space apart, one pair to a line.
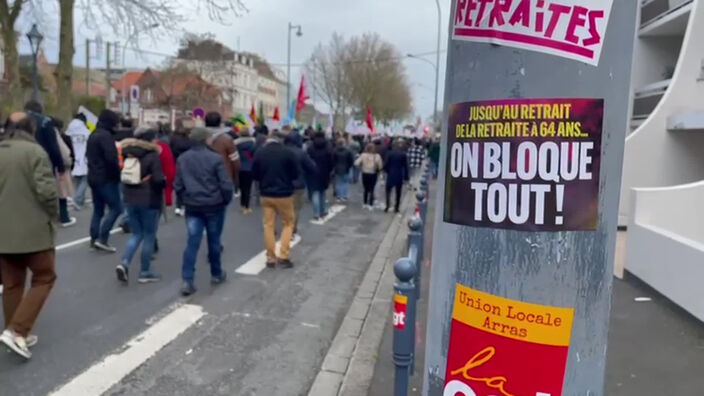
79,133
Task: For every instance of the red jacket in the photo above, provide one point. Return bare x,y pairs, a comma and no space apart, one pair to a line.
168,165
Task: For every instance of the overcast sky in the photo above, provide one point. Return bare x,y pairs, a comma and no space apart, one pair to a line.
411,25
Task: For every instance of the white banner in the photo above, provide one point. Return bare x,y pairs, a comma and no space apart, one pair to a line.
573,29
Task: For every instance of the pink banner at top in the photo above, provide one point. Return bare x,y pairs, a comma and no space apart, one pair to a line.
573,29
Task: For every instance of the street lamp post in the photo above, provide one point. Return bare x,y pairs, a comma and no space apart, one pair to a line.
437,81
437,66
299,33
35,40
124,56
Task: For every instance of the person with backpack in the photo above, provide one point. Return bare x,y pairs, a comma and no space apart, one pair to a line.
396,168
246,147
104,180
205,188
143,180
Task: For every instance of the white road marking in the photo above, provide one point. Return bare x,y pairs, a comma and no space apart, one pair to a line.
82,241
108,372
334,210
256,264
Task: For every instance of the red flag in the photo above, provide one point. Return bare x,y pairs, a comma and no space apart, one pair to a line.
276,117
253,114
370,119
302,95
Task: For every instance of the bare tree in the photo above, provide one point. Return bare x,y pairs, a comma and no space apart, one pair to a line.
377,78
9,12
326,72
64,70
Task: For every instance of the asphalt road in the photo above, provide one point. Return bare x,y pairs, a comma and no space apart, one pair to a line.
263,334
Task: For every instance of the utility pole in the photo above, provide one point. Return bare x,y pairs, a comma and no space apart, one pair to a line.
107,75
525,228
87,67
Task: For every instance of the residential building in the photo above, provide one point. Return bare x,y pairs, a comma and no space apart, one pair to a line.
663,171
232,72
271,87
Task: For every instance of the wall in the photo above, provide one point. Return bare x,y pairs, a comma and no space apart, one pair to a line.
655,157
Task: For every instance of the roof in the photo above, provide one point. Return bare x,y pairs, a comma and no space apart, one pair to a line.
129,78
263,67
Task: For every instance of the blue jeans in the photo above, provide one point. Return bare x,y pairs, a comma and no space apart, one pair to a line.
341,186
143,224
125,213
104,194
81,183
354,175
212,223
319,209
434,170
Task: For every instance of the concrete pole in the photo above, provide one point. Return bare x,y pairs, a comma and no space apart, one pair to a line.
87,67
556,268
107,75
288,72
437,67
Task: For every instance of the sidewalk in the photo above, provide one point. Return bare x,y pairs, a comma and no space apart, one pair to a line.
655,348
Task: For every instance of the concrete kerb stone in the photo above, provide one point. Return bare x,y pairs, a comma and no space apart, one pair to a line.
355,346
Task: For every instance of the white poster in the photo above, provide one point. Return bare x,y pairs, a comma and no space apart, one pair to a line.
573,29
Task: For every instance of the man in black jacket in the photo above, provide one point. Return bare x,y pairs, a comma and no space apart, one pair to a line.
205,188
104,179
45,135
276,169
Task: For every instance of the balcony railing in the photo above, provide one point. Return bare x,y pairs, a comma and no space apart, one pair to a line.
653,10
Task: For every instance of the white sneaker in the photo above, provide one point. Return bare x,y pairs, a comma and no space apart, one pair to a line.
71,222
16,343
179,212
1,287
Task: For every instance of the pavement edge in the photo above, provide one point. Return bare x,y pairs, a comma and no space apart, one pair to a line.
348,367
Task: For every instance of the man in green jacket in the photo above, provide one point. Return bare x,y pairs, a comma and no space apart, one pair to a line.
29,210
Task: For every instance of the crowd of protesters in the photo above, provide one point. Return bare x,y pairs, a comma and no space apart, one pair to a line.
140,174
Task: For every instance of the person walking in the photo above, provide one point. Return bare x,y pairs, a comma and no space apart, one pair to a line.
344,162
319,183
370,164
180,143
416,156
143,182
79,133
246,148
63,180
396,168
276,169
356,148
29,208
222,143
104,180
306,168
205,188
434,157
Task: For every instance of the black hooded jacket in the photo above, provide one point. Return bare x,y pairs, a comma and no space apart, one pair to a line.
322,155
101,152
151,192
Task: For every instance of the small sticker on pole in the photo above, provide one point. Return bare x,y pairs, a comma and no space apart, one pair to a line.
400,311
524,164
505,347
573,29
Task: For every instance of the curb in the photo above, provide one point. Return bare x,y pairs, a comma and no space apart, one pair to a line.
348,367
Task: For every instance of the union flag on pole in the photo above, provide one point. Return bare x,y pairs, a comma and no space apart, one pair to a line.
370,119
276,117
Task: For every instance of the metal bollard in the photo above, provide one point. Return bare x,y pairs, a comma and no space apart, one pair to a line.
424,184
422,204
404,328
415,241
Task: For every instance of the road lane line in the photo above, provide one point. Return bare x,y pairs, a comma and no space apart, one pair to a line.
256,264
103,375
82,240
332,212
